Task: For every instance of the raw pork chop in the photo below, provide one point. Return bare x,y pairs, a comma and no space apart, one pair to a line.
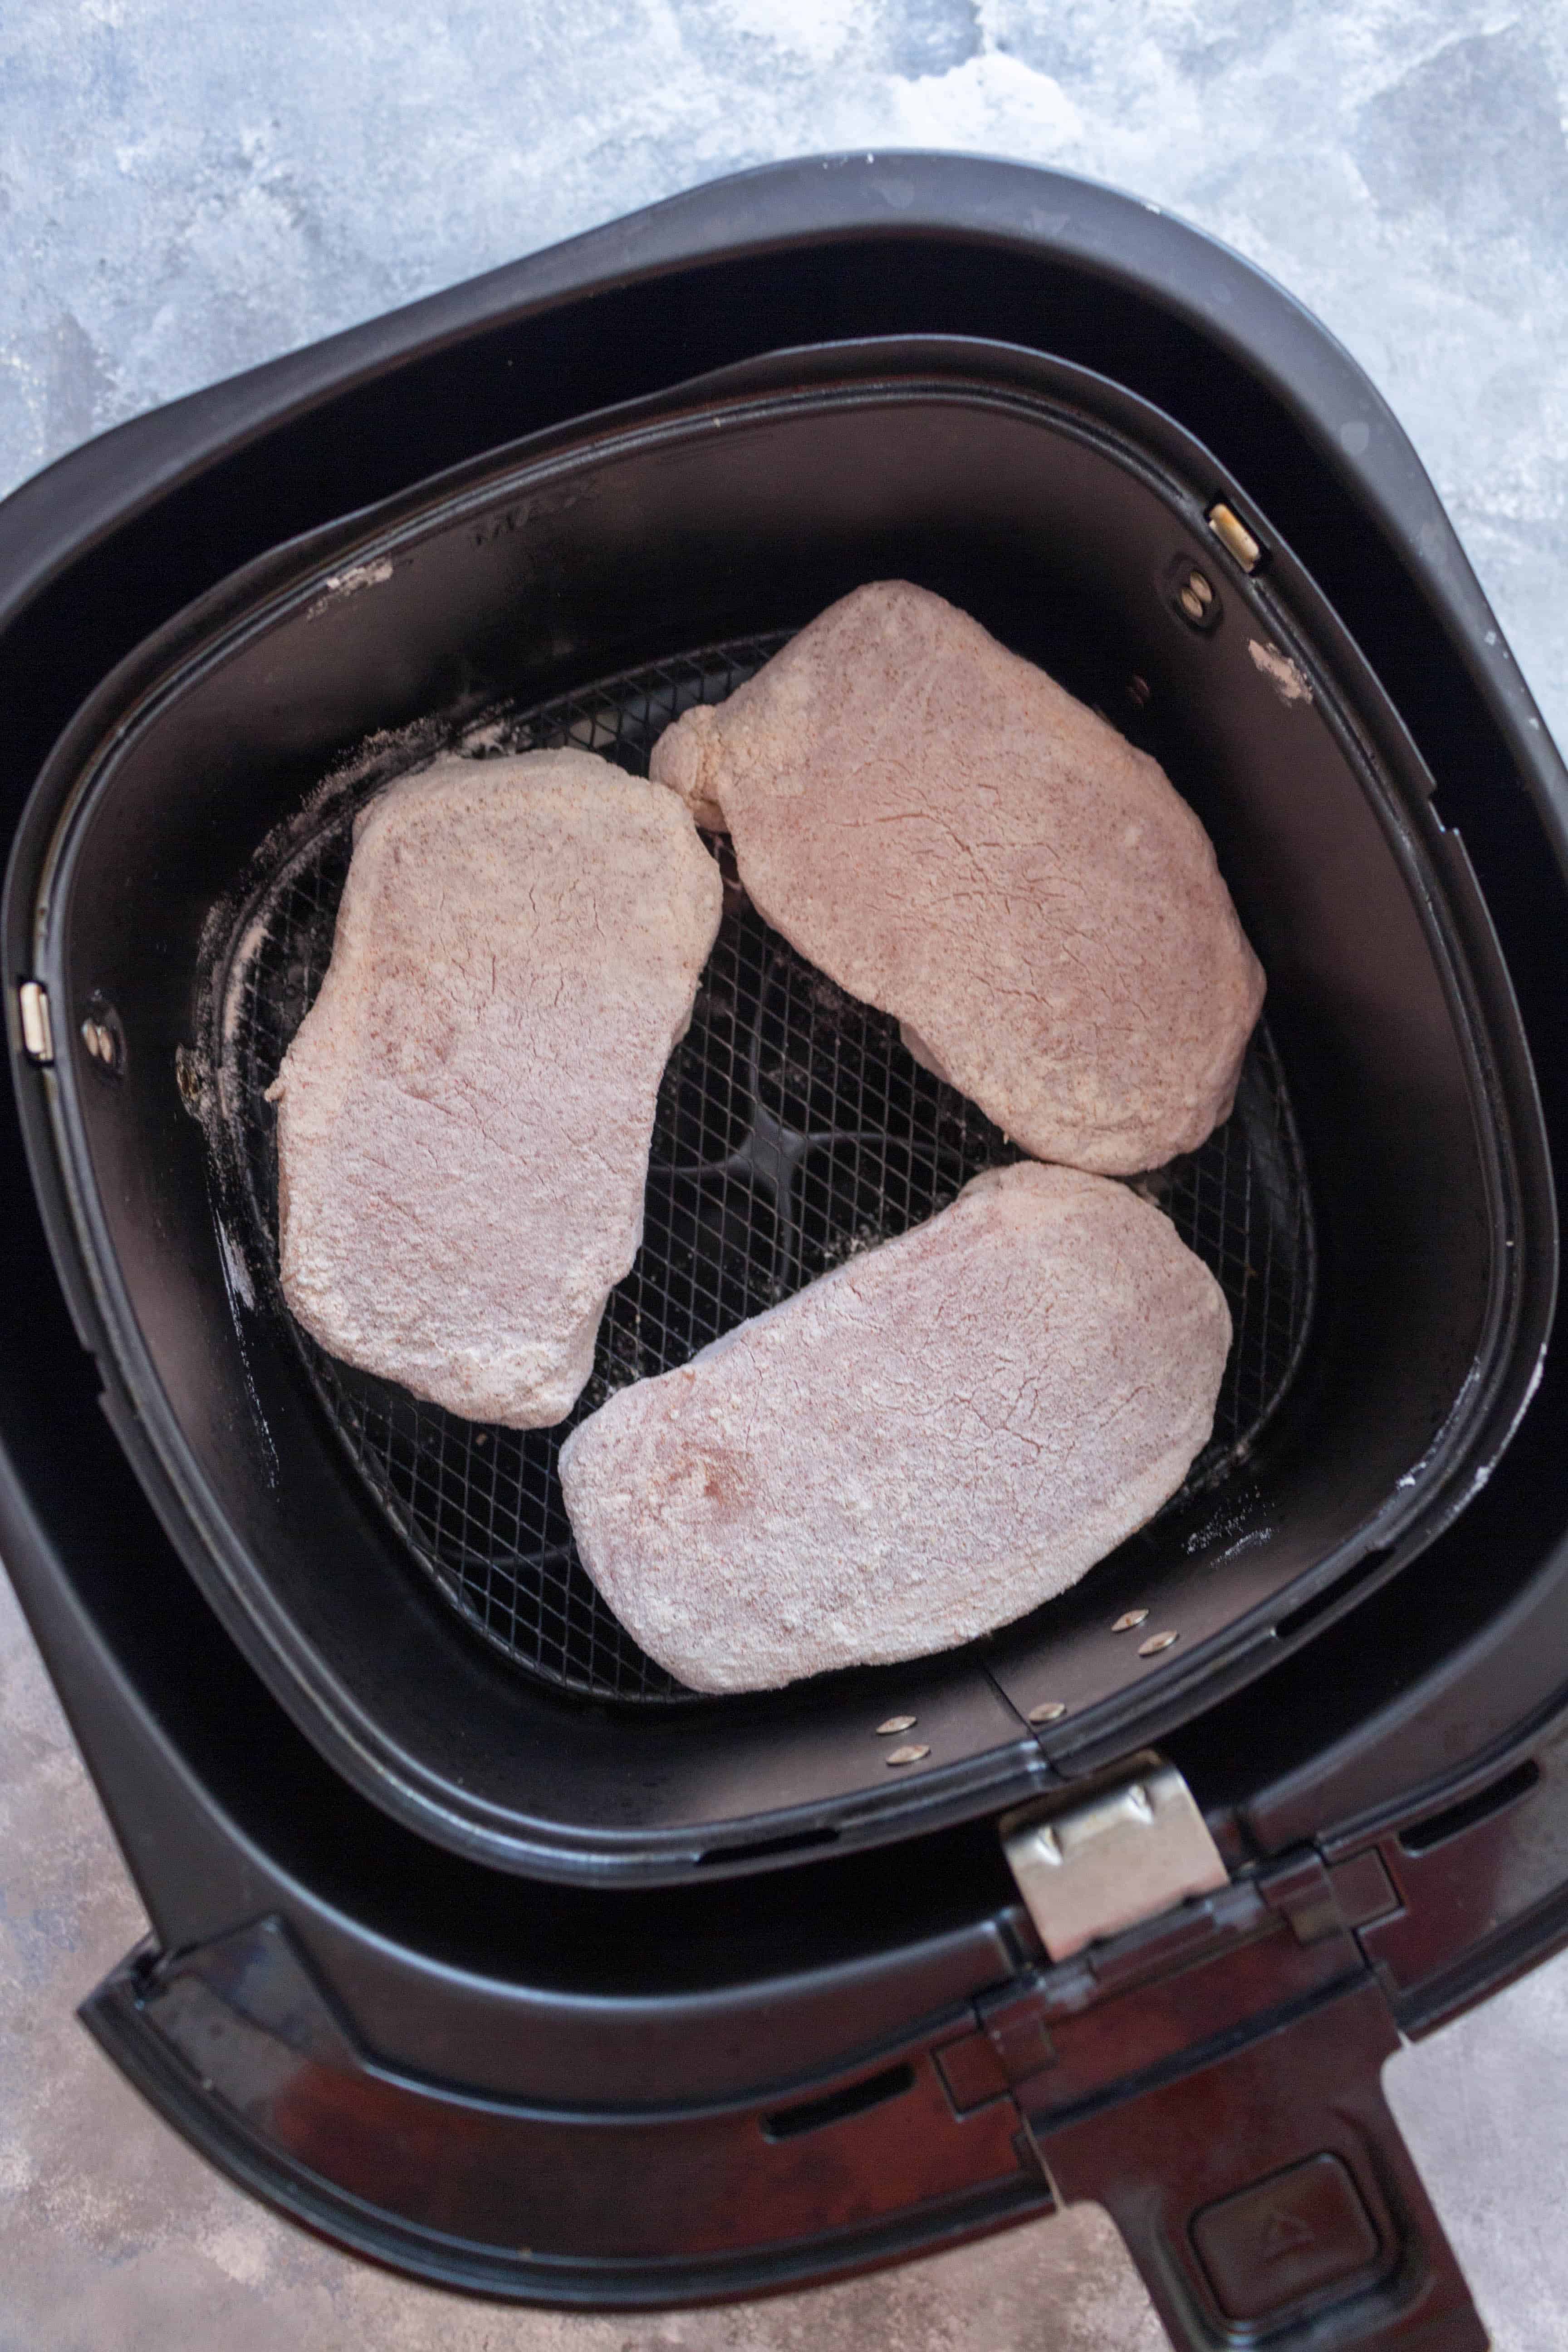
953,838
464,1116
925,1443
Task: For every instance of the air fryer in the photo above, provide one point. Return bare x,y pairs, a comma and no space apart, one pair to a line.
463,1910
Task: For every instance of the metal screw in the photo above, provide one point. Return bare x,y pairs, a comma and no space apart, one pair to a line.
1138,691
905,1755
1050,1710
895,1723
1124,1625
1196,597
1155,1643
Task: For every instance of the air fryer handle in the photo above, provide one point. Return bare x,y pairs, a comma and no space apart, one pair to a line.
1270,2195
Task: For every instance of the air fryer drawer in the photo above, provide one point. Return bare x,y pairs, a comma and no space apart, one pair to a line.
356,1950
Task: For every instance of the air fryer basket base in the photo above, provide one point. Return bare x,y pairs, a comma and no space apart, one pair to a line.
1055,509
794,1128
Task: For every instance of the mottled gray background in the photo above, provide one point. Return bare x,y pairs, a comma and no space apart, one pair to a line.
185,191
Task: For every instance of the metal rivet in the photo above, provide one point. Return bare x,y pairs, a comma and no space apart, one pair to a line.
1125,1623
1155,1643
98,1035
1138,691
895,1723
1196,600
905,1755
1050,1710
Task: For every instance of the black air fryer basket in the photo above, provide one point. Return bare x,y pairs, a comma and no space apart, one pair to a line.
463,1910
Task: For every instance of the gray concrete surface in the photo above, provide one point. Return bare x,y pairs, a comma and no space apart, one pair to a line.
185,191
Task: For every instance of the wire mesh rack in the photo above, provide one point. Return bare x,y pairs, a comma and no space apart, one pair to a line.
793,1129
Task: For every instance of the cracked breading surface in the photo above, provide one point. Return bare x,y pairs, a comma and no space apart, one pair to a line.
465,1115
925,1443
955,839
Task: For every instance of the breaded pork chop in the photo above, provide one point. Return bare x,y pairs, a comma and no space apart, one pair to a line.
924,1445
464,1116
953,838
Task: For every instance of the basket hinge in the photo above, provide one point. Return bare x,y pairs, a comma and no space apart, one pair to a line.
1090,1865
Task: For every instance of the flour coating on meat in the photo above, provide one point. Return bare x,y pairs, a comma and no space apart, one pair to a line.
953,838
465,1114
922,1445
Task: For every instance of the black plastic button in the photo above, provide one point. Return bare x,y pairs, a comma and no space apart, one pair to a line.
1286,2238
